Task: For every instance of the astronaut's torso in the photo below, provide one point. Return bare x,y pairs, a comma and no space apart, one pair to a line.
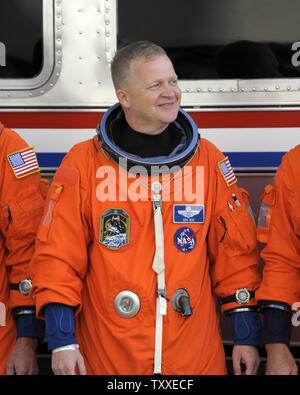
122,249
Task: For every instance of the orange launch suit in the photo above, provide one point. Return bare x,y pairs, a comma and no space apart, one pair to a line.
281,232
21,207
72,264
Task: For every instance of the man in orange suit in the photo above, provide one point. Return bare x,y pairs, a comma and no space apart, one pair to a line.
279,228
143,225
21,207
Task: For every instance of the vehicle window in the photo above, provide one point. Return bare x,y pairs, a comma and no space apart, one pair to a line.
30,47
218,39
21,37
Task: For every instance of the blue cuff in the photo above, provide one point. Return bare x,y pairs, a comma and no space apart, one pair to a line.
246,327
277,326
29,326
60,328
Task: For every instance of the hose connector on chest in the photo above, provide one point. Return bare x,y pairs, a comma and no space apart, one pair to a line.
181,302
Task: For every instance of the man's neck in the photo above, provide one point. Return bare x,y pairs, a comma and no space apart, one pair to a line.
145,144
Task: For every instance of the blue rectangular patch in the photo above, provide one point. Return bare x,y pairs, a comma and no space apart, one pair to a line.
188,213
16,160
224,168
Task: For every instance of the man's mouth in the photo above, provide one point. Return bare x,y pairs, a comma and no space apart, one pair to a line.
166,104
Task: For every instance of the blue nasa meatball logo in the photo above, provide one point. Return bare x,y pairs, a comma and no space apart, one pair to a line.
185,239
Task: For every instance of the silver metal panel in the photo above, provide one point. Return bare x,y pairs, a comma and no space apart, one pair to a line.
270,85
247,99
85,42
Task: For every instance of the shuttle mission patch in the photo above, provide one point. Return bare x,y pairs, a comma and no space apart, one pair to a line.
185,239
114,228
23,162
227,172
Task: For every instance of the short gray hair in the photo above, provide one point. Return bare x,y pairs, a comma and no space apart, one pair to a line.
121,61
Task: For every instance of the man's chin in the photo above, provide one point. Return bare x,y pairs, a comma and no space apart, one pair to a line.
170,116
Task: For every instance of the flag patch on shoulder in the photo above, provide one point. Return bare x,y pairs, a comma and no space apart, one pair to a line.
23,162
227,172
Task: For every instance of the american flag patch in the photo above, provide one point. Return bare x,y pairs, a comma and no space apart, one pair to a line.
227,171
23,162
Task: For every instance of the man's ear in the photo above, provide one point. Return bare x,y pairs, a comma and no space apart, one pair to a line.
123,98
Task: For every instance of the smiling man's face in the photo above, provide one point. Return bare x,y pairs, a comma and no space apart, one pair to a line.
151,98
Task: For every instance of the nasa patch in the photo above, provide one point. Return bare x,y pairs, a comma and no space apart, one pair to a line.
188,213
185,239
114,228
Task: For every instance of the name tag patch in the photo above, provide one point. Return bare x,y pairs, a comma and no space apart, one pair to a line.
188,213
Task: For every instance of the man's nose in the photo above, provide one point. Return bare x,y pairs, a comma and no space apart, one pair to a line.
168,90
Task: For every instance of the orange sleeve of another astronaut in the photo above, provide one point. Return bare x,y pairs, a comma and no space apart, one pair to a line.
281,255
21,206
232,242
58,268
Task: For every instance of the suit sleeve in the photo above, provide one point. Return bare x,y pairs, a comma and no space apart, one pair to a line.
60,261
21,206
281,255
232,244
